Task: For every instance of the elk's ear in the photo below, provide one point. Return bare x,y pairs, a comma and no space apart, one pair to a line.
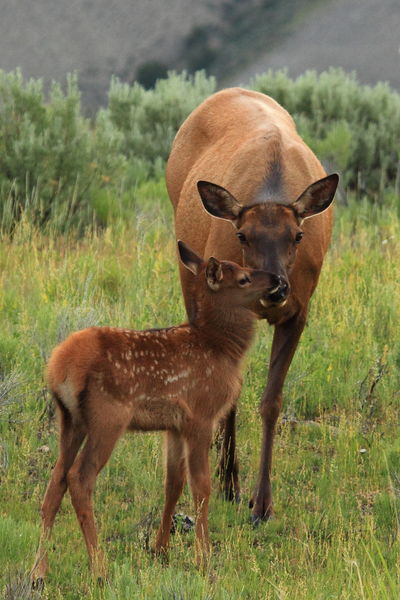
189,258
317,197
214,273
218,201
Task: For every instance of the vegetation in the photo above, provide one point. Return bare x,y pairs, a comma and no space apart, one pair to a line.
336,532
337,460
56,166
355,127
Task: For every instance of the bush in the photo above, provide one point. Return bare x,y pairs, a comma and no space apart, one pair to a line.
56,167
147,120
354,126
45,149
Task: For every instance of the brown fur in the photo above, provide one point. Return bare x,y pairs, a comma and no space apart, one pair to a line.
267,182
181,380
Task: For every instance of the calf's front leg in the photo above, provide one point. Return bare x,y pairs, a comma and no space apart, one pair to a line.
174,481
198,446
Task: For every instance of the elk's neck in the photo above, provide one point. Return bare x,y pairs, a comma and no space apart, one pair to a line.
229,331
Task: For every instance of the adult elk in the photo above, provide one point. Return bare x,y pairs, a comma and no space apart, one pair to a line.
267,183
181,380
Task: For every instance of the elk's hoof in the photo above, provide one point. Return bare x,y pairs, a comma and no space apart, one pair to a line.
256,520
38,584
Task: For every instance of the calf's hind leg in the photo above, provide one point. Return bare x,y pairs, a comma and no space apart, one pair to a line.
71,437
81,480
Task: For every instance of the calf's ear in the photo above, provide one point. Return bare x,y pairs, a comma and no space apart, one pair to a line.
317,197
214,274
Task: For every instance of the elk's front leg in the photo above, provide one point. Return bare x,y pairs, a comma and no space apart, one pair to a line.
286,338
228,469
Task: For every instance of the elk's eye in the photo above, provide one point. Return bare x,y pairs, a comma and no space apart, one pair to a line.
243,281
299,237
241,237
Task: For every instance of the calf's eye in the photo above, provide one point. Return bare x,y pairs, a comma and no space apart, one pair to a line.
243,281
241,237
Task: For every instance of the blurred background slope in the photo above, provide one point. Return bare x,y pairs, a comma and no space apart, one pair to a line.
231,39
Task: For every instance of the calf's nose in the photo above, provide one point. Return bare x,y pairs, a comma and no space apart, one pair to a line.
280,291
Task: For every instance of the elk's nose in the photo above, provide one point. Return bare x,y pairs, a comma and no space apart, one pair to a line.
280,291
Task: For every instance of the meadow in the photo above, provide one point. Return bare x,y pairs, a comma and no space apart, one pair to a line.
336,473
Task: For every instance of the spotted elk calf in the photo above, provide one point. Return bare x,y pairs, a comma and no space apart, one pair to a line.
181,380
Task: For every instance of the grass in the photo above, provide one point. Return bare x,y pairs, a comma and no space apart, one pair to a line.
336,532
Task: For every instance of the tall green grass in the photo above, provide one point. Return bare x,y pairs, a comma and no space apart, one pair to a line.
336,473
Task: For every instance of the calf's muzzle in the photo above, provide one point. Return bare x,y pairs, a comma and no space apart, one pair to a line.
280,291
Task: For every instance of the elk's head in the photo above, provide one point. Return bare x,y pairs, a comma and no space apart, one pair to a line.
235,286
270,233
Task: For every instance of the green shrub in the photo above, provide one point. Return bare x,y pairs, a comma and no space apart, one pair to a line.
356,127
45,149
147,120
58,169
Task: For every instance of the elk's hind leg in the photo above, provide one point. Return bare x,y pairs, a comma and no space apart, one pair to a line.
228,468
71,438
175,476
81,481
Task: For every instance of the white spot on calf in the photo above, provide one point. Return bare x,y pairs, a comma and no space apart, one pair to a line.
171,378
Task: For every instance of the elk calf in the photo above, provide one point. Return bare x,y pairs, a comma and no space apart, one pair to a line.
182,380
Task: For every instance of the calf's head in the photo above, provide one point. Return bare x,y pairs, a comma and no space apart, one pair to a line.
270,233
230,284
